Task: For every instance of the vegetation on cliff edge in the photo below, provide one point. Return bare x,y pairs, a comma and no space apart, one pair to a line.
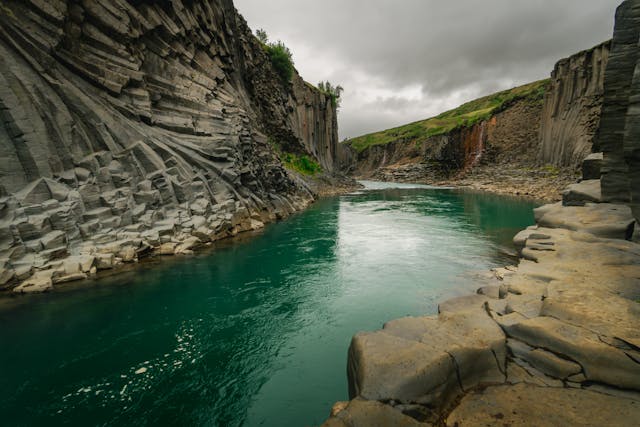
279,54
465,115
333,91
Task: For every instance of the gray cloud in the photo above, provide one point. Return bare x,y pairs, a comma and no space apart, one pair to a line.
401,61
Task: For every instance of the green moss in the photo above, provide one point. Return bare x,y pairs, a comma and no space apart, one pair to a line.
300,163
464,116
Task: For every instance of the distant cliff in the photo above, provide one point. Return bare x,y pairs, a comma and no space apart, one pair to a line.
572,104
526,140
487,130
130,126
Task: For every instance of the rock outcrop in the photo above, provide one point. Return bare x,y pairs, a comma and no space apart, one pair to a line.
619,133
128,127
572,105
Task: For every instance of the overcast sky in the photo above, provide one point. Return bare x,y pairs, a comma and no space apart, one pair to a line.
406,60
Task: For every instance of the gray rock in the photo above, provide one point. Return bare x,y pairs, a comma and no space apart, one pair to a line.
571,110
110,154
602,220
40,282
365,413
601,362
618,91
54,239
427,359
544,361
519,405
591,166
582,192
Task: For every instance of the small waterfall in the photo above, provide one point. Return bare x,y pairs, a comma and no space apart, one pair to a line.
477,155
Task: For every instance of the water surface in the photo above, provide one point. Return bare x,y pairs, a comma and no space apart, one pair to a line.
254,332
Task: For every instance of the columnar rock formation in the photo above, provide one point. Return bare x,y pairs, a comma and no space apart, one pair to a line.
559,132
127,126
572,104
619,134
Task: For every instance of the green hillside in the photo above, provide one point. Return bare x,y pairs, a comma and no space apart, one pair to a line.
465,115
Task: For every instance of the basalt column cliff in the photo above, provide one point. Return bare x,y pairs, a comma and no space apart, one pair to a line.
128,127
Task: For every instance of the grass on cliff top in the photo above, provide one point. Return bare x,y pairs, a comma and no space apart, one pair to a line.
465,115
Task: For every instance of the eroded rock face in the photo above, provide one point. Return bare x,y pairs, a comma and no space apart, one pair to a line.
617,135
129,125
572,104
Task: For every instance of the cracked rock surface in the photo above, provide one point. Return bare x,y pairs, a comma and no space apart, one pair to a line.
560,332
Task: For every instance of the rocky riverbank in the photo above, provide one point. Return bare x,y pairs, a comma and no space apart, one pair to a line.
552,341
555,338
541,183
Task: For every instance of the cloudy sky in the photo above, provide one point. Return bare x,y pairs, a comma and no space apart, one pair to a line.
406,60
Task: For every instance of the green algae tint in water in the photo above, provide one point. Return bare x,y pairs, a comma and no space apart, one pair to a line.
256,331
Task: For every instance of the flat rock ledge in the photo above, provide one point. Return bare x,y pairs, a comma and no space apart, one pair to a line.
553,341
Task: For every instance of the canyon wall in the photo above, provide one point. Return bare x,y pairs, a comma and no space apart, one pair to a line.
135,126
572,104
556,131
514,129
621,111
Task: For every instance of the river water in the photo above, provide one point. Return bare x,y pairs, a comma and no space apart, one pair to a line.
254,331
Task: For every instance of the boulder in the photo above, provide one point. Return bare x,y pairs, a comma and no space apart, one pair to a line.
582,192
40,282
168,248
427,359
104,261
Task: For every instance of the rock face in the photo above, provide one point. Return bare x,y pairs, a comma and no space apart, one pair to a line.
572,104
550,136
455,153
617,136
130,125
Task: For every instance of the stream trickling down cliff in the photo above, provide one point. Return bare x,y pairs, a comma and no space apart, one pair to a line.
255,331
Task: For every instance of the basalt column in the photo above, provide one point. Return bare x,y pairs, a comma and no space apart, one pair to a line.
617,91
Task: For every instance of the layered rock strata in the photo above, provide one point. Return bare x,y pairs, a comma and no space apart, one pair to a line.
572,105
128,128
618,133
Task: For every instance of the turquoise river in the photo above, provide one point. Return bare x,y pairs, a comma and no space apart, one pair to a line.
255,330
